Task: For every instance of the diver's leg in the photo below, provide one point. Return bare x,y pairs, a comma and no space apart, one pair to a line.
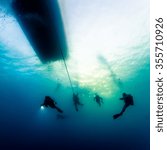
123,109
76,107
58,109
121,113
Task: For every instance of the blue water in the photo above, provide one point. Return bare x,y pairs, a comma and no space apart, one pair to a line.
116,61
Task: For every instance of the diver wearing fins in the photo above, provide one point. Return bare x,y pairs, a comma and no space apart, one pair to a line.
51,103
128,99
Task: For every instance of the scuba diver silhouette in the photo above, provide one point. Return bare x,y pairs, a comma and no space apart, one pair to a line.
128,99
76,101
51,103
98,99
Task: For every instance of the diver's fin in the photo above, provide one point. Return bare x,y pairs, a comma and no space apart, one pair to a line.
116,116
58,109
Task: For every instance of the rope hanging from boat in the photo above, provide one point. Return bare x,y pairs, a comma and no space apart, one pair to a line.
67,71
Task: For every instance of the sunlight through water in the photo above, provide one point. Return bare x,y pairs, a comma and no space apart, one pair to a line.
106,43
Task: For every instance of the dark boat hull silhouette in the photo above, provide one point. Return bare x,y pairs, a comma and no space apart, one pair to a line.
42,24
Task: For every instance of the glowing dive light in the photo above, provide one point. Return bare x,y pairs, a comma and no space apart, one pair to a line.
42,107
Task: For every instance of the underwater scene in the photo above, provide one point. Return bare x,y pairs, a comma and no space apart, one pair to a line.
95,95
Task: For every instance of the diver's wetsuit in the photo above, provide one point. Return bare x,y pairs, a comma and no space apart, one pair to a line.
51,103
